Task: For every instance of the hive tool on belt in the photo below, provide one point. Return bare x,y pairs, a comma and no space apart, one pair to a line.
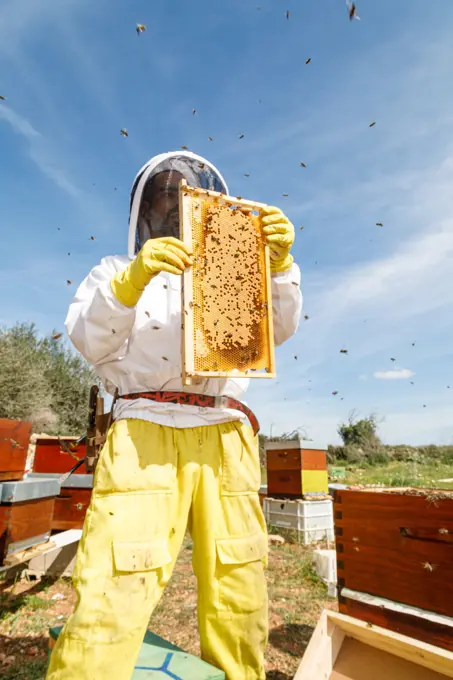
98,427
96,435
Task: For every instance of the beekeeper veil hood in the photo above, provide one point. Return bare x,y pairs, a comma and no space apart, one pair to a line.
154,209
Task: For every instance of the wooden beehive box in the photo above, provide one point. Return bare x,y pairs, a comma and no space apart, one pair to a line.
73,499
227,328
343,648
57,454
14,440
295,468
26,511
395,559
72,503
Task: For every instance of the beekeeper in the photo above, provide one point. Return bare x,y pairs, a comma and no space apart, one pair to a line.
172,461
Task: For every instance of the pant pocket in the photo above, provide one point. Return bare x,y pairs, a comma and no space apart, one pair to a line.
133,556
140,570
240,573
127,598
241,471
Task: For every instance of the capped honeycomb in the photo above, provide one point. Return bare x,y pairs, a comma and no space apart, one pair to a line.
227,323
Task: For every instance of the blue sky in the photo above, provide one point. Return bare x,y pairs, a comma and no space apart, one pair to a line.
75,72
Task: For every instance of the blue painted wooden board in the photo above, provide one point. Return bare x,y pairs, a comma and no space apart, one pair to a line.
159,659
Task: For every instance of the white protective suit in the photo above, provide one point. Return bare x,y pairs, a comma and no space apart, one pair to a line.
139,349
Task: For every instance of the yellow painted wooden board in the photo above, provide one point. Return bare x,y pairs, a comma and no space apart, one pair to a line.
315,481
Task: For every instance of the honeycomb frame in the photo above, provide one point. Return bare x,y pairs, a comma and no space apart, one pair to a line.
225,333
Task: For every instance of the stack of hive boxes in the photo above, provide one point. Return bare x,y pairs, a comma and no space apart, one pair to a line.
53,457
296,468
26,505
394,557
297,489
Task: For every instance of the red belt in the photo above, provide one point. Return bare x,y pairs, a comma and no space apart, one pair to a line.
202,400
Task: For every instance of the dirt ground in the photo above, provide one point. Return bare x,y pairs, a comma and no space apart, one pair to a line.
296,595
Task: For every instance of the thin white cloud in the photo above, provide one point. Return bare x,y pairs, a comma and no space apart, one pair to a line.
37,150
371,305
415,279
53,172
413,425
20,125
396,374
430,425
400,275
374,305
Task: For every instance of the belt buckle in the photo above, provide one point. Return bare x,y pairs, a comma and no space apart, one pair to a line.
220,401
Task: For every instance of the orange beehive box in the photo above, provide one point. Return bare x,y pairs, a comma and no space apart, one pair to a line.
296,468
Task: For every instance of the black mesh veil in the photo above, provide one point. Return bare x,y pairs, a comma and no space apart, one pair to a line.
158,213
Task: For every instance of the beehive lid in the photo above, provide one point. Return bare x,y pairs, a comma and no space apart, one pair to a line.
286,444
28,489
81,481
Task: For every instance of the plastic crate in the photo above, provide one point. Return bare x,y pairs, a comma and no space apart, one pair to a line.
312,519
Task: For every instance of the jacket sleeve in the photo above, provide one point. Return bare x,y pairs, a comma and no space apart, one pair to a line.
286,303
98,325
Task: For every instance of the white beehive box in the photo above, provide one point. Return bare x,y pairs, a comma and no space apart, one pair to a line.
313,520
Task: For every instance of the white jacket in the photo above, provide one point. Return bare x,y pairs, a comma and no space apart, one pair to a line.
139,349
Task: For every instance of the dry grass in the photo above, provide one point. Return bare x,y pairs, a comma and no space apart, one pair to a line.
296,598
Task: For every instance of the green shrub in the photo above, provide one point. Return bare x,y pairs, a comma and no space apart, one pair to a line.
447,455
43,381
360,433
379,456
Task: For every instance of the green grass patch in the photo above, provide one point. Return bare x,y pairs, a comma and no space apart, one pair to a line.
395,473
14,609
26,670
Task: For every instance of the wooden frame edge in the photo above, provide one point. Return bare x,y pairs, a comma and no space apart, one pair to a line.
270,314
188,373
185,234
325,645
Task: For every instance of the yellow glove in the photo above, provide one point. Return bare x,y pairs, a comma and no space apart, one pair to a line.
166,254
279,234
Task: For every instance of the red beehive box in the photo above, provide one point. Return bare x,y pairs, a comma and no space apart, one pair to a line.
52,455
14,440
72,503
70,508
26,511
395,560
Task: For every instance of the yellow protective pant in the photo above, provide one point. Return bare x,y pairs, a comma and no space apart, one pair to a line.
151,483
